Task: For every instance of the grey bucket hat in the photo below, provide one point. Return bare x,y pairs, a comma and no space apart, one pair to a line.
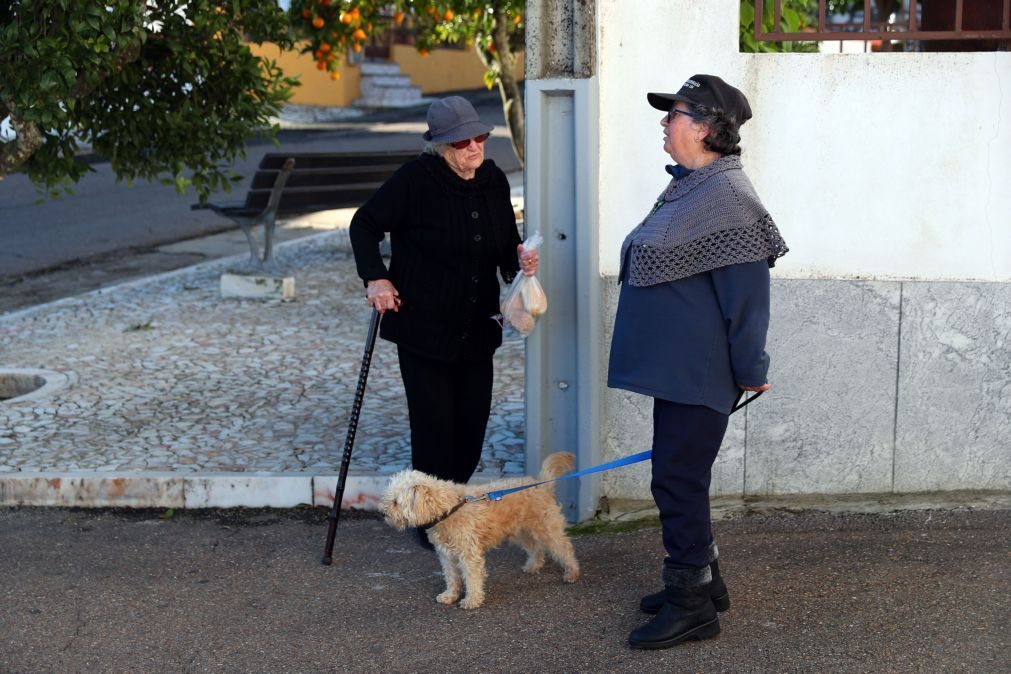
453,118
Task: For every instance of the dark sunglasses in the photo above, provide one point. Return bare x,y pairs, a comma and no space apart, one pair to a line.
675,111
461,144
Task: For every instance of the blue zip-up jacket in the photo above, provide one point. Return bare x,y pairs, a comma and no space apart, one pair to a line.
693,340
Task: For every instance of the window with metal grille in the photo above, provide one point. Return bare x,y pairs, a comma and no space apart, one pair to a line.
882,25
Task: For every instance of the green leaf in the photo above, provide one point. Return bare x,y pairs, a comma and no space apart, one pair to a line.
747,13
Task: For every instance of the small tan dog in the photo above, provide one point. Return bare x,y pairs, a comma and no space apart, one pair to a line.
530,518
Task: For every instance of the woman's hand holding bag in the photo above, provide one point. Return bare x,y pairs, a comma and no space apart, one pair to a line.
525,299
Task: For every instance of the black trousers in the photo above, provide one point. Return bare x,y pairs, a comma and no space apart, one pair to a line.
448,404
686,439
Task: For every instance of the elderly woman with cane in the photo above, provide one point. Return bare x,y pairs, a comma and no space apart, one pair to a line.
690,332
452,228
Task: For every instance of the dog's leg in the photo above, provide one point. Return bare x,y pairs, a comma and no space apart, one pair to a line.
473,578
558,545
451,574
534,550
566,558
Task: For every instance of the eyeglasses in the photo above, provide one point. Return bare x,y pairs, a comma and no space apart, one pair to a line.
675,111
461,144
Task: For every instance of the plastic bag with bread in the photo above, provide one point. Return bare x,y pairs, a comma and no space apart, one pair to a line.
525,300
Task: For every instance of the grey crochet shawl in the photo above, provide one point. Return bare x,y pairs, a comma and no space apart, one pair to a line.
711,218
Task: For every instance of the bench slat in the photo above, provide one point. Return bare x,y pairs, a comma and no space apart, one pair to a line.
307,160
302,199
264,179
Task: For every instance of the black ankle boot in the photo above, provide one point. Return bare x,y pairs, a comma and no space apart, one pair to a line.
688,613
652,603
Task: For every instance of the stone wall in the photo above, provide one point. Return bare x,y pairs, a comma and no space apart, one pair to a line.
878,387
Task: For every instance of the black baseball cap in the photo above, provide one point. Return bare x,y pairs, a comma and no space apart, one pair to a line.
707,90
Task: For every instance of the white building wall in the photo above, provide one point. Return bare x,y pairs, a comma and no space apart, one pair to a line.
874,165
889,176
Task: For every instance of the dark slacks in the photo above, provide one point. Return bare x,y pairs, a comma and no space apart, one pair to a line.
686,439
448,404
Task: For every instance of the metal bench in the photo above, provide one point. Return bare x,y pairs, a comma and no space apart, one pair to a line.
289,183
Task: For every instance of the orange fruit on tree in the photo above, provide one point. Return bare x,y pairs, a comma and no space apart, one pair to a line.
325,47
423,52
356,48
448,16
320,65
359,34
517,19
318,22
346,18
335,75
398,17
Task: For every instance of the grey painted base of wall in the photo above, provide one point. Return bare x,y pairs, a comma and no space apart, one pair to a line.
877,387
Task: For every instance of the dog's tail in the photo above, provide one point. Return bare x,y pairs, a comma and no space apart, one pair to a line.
556,465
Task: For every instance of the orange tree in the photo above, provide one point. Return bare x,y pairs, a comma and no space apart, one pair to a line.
165,89
493,27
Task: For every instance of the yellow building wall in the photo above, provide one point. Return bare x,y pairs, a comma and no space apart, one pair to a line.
318,88
441,70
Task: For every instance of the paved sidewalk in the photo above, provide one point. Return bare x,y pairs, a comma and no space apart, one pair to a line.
177,397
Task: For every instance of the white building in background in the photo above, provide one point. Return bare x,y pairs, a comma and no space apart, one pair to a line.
889,176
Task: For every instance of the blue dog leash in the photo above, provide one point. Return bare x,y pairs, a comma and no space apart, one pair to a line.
617,463
497,495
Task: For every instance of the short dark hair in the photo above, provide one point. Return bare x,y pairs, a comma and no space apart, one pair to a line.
724,130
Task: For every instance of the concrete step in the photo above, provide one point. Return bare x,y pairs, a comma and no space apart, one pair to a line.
382,86
401,97
372,89
379,68
385,81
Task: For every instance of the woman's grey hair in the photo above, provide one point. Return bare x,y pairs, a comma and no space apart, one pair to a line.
438,149
724,130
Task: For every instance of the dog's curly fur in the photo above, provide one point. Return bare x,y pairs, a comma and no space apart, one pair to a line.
530,518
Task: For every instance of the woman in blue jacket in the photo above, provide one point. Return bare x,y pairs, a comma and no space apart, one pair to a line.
690,332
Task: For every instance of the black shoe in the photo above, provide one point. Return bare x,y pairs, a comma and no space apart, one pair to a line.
422,536
687,613
652,603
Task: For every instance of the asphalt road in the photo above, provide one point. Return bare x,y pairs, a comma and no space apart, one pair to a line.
243,591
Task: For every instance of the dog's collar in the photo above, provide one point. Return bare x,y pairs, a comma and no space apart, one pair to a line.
442,517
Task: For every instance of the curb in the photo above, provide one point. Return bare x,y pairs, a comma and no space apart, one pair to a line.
166,489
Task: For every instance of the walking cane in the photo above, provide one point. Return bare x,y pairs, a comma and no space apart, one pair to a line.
356,410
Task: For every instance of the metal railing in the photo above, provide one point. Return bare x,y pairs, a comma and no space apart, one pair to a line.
871,29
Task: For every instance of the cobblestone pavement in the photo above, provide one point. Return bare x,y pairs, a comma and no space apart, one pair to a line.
171,377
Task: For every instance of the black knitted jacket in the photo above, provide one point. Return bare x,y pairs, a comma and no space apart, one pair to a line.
442,262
